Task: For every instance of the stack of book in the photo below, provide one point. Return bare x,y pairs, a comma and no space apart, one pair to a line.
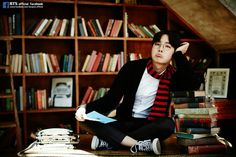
196,123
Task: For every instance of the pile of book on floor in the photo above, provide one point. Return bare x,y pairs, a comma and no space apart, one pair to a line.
196,123
54,142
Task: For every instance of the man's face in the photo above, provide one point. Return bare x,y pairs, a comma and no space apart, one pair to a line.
162,51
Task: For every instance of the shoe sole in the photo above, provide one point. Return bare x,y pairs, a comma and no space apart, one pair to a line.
94,142
156,146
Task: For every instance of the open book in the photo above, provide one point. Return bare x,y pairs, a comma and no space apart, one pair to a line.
95,116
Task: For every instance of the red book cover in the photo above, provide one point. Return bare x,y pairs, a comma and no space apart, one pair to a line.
109,27
58,28
91,29
91,61
201,149
86,95
55,63
114,28
106,61
97,61
90,98
37,26
39,100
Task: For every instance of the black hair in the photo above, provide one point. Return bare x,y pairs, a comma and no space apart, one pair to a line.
174,38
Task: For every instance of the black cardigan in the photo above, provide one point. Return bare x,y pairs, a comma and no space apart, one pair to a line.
127,81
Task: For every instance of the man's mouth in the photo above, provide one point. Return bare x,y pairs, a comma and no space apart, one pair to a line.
158,55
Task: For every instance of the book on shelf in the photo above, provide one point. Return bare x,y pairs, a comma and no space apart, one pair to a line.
43,63
37,26
58,28
135,56
90,98
84,26
96,62
52,30
16,63
30,98
154,28
141,31
134,31
99,27
116,28
95,27
91,29
55,63
41,98
86,95
148,32
91,61
62,92
46,27
106,62
114,62
93,94
101,63
66,62
126,33
72,27
49,63
41,26
80,27
109,27
64,27
85,63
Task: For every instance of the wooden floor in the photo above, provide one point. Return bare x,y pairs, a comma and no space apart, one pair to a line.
169,149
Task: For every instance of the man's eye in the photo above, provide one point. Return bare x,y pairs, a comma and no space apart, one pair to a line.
168,46
157,44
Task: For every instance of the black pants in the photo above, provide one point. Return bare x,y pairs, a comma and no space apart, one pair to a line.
137,128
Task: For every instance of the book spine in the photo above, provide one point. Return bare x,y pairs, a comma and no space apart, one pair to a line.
206,149
196,122
194,142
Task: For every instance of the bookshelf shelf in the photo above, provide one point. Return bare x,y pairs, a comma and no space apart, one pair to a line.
80,46
52,110
100,38
97,73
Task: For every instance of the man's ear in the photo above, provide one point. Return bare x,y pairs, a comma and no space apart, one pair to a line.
172,62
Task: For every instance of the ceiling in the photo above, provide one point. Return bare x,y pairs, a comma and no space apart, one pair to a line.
210,19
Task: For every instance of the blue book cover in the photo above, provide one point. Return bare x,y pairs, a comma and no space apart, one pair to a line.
95,116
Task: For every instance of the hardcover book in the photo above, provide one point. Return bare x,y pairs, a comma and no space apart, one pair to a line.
201,141
62,92
201,149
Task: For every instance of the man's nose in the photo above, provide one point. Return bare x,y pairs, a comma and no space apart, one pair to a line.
161,48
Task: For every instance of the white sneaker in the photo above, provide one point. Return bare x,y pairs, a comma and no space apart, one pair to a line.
98,144
147,146
156,146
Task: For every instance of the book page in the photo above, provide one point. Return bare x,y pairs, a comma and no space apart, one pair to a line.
95,116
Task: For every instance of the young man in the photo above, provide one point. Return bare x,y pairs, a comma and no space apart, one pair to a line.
144,87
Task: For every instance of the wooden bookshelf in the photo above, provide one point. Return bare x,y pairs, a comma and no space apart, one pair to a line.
146,12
